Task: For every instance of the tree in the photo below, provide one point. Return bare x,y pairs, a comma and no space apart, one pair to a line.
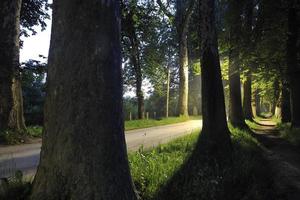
11,103
236,115
293,64
83,153
215,138
130,31
181,20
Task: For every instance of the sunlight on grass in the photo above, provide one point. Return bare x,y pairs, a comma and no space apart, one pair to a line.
146,123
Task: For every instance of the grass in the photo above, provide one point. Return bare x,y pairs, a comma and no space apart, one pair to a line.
158,173
12,137
146,123
291,135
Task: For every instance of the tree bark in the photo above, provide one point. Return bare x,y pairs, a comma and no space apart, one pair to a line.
257,102
83,154
168,93
236,115
276,96
135,60
248,97
183,58
293,64
285,103
215,138
11,100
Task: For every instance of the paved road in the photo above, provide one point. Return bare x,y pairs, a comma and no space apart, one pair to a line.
26,157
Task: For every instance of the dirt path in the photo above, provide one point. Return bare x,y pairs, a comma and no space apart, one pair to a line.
284,159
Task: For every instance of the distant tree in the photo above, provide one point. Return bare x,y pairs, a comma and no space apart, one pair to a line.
83,153
181,20
234,31
11,103
33,88
214,139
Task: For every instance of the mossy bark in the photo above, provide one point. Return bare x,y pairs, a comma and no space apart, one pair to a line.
83,155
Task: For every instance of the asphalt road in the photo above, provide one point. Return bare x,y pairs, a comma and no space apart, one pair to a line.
26,157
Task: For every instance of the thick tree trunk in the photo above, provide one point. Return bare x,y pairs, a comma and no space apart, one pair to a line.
83,154
182,29
11,102
183,76
215,138
293,64
248,97
236,115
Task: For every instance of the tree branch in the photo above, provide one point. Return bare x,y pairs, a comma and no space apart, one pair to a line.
165,10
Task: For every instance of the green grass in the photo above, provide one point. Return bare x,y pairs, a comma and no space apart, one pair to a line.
35,131
137,124
291,135
246,177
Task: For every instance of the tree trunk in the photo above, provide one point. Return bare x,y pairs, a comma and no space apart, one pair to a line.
135,60
293,64
11,100
83,153
285,103
276,96
168,93
183,76
215,138
257,103
183,58
236,116
248,97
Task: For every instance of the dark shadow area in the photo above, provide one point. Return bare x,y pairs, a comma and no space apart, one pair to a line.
244,175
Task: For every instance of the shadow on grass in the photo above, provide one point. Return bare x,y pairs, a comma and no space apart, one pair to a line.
246,175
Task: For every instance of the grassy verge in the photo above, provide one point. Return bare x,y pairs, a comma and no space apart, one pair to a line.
136,124
291,135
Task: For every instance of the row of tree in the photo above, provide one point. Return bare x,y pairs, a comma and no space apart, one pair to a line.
84,152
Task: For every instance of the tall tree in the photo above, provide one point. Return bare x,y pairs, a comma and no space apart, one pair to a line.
83,153
181,20
293,65
130,30
11,103
248,50
236,115
215,138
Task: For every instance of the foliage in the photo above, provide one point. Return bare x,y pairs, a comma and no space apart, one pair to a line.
10,137
290,134
15,188
33,13
35,131
33,88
